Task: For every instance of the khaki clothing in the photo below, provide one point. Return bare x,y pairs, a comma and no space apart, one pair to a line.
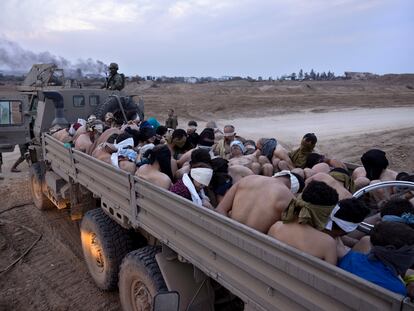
171,122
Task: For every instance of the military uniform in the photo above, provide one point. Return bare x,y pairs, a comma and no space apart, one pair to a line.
115,80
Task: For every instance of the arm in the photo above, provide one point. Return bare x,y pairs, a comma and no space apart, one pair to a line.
331,252
226,204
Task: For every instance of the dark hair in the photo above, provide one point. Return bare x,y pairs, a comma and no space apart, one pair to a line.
374,162
397,207
192,123
122,137
206,137
352,209
387,233
220,165
200,156
311,137
312,159
178,133
161,130
134,133
319,193
111,139
300,180
162,155
404,176
146,133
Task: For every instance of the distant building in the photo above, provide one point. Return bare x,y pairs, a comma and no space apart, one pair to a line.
350,75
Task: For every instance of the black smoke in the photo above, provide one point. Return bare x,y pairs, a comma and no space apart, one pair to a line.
16,59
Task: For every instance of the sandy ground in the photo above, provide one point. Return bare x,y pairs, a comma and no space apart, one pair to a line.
349,118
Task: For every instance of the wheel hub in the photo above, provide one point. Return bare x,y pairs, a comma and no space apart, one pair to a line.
97,252
141,296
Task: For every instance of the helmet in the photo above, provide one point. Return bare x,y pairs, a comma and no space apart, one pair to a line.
113,66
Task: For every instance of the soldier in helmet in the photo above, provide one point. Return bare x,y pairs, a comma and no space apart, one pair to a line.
115,80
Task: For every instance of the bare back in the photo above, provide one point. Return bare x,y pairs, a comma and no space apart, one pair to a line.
307,239
154,176
257,201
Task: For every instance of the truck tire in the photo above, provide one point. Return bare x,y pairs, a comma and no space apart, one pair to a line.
140,279
131,109
104,245
37,186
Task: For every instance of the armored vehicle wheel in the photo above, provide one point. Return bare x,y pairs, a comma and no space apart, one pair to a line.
37,184
104,244
131,109
140,280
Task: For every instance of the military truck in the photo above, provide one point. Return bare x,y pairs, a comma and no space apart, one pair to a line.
147,241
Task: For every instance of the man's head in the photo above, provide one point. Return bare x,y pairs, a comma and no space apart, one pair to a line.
374,162
211,124
206,138
237,149
146,134
109,118
162,155
113,68
229,133
387,233
319,193
191,127
297,183
170,112
397,207
201,174
250,146
200,156
393,244
179,138
346,216
313,159
309,141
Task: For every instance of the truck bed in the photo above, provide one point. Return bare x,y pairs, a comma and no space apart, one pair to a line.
265,273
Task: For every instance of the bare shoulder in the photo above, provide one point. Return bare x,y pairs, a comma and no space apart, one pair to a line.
274,229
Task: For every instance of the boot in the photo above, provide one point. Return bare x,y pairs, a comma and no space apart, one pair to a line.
14,167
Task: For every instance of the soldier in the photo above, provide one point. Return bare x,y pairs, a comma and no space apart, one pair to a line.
115,81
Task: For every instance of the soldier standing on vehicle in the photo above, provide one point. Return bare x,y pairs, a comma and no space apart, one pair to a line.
115,81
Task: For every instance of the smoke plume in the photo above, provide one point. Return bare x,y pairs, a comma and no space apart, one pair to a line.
16,59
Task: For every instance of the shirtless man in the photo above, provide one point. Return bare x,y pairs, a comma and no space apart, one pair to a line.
307,145
344,218
237,157
273,153
241,201
158,171
305,218
222,147
374,170
332,182
93,130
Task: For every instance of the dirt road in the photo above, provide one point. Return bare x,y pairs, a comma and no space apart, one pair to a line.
326,125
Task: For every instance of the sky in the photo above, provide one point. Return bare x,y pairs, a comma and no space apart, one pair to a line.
211,37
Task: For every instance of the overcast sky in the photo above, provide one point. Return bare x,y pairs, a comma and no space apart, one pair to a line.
217,37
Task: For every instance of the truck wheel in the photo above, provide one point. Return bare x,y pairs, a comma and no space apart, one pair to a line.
140,279
104,244
131,109
37,184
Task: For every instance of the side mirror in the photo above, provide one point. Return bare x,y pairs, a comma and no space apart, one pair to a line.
167,301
